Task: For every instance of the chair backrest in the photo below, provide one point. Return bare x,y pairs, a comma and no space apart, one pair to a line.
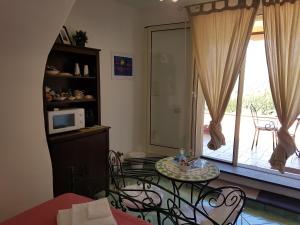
227,204
254,114
224,205
296,127
115,169
168,209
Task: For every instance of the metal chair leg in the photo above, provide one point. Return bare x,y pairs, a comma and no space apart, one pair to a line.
257,138
273,137
253,139
298,153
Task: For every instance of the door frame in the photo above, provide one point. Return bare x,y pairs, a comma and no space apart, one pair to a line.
152,149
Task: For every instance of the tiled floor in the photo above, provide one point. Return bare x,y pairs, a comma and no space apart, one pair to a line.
259,156
259,214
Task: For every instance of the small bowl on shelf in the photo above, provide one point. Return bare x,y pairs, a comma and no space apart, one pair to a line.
60,98
89,97
78,97
64,74
52,72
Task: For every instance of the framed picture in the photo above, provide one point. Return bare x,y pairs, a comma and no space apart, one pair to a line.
64,36
122,66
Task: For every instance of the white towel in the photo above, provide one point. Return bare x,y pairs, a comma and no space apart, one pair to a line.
103,221
64,217
80,214
98,209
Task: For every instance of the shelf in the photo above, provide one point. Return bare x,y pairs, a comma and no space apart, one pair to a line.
70,77
75,49
77,133
66,102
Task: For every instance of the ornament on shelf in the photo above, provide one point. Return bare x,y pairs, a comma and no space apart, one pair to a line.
77,69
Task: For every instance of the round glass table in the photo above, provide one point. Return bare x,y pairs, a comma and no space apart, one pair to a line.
198,176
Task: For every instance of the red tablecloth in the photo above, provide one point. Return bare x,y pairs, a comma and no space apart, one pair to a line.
45,214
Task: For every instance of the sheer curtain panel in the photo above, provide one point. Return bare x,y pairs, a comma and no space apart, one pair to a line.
282,42
221,31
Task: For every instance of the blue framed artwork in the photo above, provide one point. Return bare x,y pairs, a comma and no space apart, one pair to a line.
122,66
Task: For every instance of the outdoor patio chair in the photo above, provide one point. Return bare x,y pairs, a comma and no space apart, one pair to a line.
140,192
293,135
262,125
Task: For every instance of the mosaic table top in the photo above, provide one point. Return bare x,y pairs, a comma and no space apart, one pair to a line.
169,168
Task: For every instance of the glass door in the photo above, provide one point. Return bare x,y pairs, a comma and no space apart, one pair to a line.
169,89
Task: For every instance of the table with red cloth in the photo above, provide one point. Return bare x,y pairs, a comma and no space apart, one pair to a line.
45,213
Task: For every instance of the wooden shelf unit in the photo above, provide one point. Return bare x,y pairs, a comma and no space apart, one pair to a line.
58,76
79,158
64,57
68,102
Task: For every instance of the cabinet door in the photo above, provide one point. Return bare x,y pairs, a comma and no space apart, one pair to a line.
80,165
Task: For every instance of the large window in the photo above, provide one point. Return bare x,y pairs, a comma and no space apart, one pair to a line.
250,136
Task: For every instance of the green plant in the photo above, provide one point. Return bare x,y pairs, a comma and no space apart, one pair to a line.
231,107
262,102
80,38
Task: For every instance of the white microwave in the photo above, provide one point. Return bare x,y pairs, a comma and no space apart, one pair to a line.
65,120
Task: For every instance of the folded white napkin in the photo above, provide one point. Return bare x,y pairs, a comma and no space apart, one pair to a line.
100,213
79,214
64,217
98,209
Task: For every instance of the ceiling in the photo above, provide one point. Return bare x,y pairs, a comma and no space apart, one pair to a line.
141,4
144,4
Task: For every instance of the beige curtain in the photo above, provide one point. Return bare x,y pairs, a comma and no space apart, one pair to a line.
220,39
282,41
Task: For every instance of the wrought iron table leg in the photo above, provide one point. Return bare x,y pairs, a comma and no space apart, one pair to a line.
192,193
158,218
176,190
200,187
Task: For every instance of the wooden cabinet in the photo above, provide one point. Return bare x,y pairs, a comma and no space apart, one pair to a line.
79,161
79,158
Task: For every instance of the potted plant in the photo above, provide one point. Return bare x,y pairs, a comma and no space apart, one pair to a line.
80,38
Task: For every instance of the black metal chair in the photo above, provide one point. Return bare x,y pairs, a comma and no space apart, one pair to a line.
262,125
216,207
223,205
141,192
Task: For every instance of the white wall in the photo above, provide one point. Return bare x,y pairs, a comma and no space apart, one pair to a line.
115,27
165,14
27,35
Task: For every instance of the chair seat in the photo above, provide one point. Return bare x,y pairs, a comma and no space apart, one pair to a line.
151,196
261,127
189,213
225,213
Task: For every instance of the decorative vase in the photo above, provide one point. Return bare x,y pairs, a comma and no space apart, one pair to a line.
77,70
86,71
